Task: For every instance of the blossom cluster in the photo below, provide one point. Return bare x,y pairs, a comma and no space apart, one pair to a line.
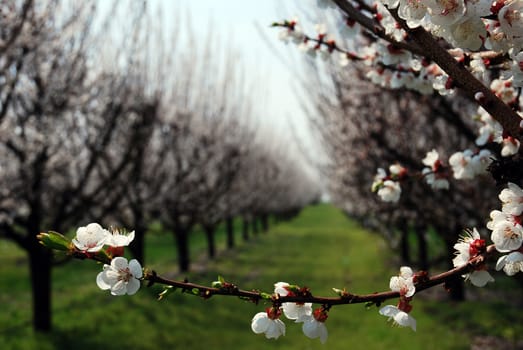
464,165
313,321
121,276
404,285
507,230
388,185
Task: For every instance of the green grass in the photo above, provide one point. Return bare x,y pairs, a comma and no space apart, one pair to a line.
320,249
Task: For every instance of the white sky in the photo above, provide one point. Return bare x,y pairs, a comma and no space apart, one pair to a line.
241,22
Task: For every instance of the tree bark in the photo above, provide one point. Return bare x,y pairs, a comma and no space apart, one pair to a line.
404,245
254,223
264,219
229,228
211,243
182,247
423,256
40,270
138,247
245,229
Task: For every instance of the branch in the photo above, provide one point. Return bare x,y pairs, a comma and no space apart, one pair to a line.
229,289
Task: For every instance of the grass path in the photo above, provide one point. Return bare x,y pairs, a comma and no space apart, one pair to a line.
320,249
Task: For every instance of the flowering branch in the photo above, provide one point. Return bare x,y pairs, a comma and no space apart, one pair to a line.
124,277
422,282
462,78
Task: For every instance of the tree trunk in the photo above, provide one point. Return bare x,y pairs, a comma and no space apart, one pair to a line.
211,244
404,245
182,247
254,224
423,259
245,229
40,270
265,223
137,248
229,228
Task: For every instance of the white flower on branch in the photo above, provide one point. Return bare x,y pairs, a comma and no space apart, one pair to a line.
512,199
293,311
469,246
446,12
511,263
466,165
398,317
268,322
490,129
119,238
404,282
432,174
91,238
412,11
507,232
314,326
390,191
510,18
510,146
121,277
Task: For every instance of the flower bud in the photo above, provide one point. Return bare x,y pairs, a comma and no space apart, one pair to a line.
55,240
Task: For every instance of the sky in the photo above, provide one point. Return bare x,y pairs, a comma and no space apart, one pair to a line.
246,23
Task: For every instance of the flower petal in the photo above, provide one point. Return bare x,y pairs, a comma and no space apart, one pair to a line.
135,268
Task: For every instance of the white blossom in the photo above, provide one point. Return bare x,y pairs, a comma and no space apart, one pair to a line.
465,245
404,282
390,191
313,328
268,323
91,238
511,263
118,238
398,317
293,311
507,232
512,199
121,277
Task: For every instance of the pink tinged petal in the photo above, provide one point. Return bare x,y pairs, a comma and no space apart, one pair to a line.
135,268
132,286
260,322
101,282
